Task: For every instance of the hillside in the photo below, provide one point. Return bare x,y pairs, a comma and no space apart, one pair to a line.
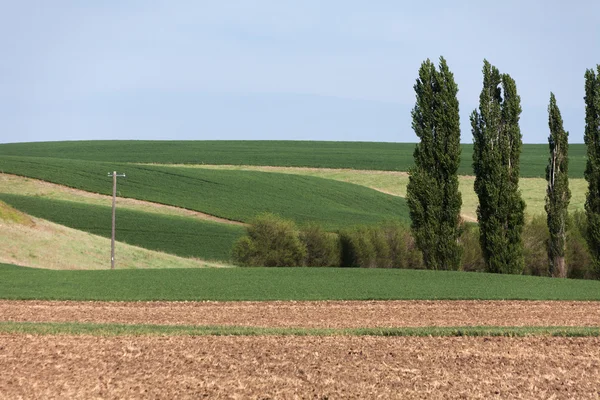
42,244
352,155
233,195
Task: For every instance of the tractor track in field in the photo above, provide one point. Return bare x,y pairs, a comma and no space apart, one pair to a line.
311,314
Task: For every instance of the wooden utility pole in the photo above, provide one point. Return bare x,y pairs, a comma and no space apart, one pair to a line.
114,208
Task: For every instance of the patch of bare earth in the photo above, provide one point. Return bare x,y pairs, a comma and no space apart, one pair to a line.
84,367
311,314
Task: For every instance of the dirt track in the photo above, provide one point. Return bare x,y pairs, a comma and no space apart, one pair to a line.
332,314
298,367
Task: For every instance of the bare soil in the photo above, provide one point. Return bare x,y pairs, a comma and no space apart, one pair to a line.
85,367
311,314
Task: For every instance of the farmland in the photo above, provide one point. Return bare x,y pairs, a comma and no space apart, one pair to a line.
351,155
181,236
299,284
263,332
234,195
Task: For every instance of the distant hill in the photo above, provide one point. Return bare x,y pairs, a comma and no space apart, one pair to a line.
352,155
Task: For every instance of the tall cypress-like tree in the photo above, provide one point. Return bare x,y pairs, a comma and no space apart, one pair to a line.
558,194
497,146
432,193
592,168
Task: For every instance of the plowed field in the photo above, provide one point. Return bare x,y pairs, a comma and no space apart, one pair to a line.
299,367
311,314
312,367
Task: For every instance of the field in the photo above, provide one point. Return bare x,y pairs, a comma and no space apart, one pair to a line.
69,330
298,284
181,236
83,360
233,195
353,155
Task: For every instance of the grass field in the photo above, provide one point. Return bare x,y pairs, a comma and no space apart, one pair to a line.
234,195
70,328
533,190
181,236
283,284
353,155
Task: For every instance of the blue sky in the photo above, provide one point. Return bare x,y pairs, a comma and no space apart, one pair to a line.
272,69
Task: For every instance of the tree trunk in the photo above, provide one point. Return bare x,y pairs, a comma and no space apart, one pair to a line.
560,269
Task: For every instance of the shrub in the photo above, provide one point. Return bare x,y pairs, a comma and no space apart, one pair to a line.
389,245
472,257
322,248
357,248
535,246
403,251
270,242
578,257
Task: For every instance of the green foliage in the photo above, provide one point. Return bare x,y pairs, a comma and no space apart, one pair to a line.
387,245
256,284
592,168
472,258
270,241
432,192
535,239
558,194
579,258
353,155
357,248
496,152
322,248
234,195
182,236
111,330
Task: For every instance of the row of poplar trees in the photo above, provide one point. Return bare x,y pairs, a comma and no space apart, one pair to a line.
432,193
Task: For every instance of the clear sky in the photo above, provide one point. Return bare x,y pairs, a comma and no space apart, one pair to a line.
275,69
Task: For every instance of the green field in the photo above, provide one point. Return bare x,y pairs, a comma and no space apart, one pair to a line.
233,195
224,284
181,236
73,328
353,155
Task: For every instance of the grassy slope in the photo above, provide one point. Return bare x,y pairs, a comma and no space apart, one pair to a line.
70,328
354,155
533,189
20,185
283,284
182,236
235,195
37,243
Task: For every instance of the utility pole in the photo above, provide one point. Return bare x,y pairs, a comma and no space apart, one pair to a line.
114,207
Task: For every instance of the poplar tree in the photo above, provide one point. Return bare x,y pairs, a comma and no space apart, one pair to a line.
432,193
592,168
558,193
497,146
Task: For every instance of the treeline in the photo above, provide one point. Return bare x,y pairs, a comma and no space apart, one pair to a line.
432,193
276,242
564,245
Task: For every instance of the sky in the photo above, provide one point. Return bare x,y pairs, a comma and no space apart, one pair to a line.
338,70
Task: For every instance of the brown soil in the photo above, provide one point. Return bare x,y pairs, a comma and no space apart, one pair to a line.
84,367
327,314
